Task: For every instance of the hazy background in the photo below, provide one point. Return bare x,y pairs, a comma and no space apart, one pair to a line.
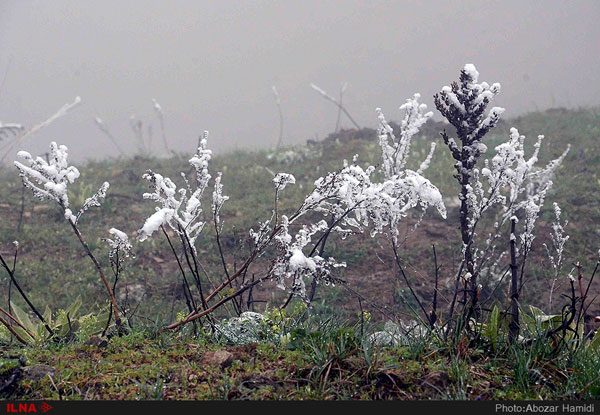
211,65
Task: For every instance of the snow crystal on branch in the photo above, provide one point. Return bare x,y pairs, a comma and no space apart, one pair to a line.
512,181
218,197
51,179
292,266
281,180
64,110
94,200
395,150
154,222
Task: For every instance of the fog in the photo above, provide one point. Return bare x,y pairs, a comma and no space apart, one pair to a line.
211,65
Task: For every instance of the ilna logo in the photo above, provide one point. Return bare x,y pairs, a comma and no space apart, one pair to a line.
13,408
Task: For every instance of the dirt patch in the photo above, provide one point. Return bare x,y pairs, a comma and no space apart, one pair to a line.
36,373
10,377
244,352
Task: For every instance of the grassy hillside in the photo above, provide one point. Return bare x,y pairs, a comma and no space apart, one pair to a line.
54,271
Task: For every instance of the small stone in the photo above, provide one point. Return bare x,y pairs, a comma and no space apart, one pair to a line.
96,341
221,358
437,379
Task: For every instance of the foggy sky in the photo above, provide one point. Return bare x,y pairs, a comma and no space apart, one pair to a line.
211,65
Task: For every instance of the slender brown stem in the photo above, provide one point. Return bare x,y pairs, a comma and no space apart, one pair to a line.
514,295
14,333
17,322
434,316
18,287
215,306
89,253
189,299
401,269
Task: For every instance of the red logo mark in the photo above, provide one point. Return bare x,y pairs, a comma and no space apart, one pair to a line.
20,407
26,407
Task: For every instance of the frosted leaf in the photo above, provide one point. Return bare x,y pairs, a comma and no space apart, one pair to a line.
154,222
471,71
281,180
247,328
218,198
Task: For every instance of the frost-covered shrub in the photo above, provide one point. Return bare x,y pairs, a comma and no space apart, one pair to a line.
342,202
50,180
351,200
509,186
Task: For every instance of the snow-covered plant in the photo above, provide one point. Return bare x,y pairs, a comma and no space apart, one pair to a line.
464,105
352,199
119,251
516,184
180,209
509,185
292,267
119,248
50,180
403,188
555,254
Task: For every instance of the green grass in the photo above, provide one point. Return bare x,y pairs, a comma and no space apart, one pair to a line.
324,359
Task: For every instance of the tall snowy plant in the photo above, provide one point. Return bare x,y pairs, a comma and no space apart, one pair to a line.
509,181
464,104
181,211
50,180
